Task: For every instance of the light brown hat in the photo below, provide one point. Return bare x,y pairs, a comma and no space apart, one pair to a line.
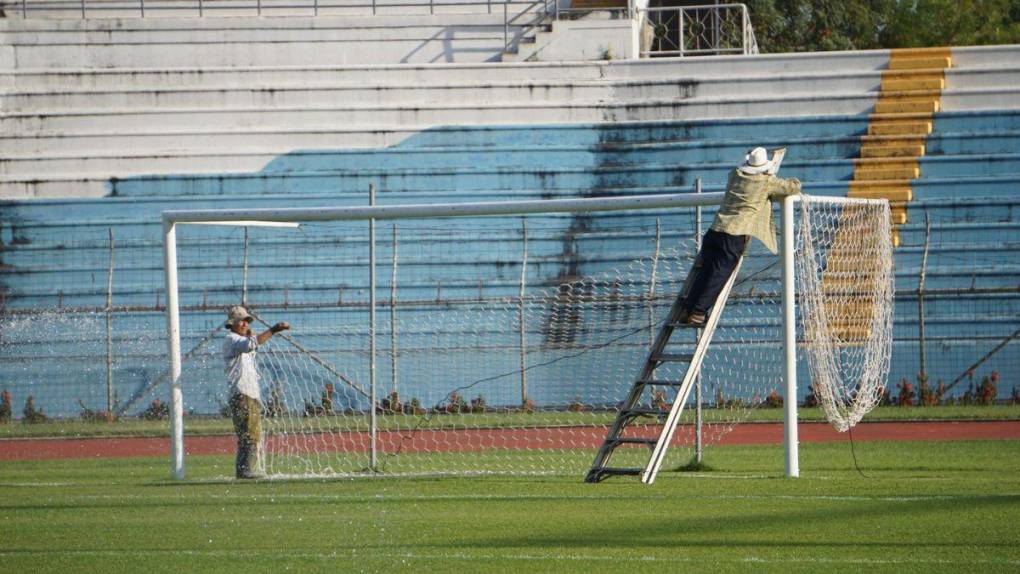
238,313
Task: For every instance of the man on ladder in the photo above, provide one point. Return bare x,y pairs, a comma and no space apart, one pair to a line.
746,212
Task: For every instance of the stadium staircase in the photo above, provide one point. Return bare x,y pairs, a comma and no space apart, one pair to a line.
100,135
909,97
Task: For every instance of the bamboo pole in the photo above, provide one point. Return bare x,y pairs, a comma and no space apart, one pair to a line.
920,298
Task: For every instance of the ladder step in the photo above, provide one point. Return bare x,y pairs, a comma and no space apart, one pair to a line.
644,411
673,358
682,325
655,382
647,441
616,471
600,473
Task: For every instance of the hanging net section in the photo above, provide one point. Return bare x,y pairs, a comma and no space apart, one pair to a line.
845,285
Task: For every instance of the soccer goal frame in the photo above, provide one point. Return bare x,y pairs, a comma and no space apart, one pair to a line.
372,213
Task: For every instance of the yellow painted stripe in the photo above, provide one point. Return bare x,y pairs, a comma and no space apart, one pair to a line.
936,51
881,128
913,84
906,139
882,107
915,74
891,173
910,92
892,150
873,187
919,63
886,163
888,183
891,195
909,95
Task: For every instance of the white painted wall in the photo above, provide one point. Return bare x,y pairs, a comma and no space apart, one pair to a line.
584,40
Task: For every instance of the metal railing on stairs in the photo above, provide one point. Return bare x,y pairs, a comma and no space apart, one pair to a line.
697,31
666,31
97,9
520,17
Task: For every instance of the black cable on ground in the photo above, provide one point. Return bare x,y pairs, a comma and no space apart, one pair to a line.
853,453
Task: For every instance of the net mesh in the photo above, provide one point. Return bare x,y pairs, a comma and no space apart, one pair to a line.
502,344
845,283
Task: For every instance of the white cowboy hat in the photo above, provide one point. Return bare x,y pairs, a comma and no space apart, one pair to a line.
756,161
238,313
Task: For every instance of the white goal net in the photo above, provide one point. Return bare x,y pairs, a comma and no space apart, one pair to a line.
501,343
845,281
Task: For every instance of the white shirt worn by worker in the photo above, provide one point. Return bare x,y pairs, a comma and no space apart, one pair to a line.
239,365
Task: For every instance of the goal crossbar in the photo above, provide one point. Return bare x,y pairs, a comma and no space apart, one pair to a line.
409,211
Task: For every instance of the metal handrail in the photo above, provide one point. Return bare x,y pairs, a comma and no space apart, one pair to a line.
88,8
514,11
540,17
540,12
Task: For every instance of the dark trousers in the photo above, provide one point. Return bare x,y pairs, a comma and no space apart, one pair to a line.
247,417
719,255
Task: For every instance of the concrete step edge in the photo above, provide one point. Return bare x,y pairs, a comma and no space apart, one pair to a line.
439,68
106,175
496,33
516,84
207,89
838,95
619,146
14,23
859,164
414,129
615,126
637,102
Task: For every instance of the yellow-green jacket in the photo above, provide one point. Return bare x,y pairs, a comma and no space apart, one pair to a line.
747,207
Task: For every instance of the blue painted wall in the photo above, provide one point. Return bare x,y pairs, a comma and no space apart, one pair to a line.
56,252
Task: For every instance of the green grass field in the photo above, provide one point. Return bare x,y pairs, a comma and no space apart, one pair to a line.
197,426
922,507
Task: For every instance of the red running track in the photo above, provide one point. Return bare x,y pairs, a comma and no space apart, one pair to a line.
466,440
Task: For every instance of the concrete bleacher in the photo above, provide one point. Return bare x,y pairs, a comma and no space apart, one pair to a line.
105,134
242,42
70,132
100,10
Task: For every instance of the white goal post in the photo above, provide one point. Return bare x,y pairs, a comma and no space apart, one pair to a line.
371,214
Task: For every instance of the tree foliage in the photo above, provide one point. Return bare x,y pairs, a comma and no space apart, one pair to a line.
819,25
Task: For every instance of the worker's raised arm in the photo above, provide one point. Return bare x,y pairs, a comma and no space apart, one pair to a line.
268,333
783,187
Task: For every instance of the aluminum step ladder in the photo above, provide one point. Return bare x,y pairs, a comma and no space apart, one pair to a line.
632,409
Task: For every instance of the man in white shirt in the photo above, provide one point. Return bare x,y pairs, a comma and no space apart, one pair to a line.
245,398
